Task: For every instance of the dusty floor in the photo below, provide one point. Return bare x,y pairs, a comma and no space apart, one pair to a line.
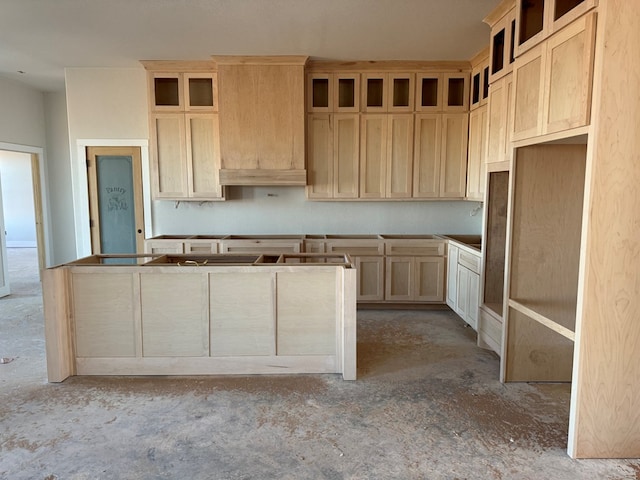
427,405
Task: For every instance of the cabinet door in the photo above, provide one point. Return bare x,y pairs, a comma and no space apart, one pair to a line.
462,298
200,92
528,82
456,92
374,92
452,276
569,76
429,283
477,149
401,92
429,92
399,169
319,156
346,92
203,155
473,300
166,92
169,172
453,167
319,92
399,279
370,284
373,153
426,156
502,47
346,144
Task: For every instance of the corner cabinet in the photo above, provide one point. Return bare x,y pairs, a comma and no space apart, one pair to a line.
262,120
184,131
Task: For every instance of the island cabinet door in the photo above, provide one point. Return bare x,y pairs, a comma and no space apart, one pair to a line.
306,313
175,319
242,313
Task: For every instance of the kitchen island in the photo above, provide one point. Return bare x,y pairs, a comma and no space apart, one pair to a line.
210,314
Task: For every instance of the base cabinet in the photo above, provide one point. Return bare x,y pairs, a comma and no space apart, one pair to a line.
463,283
371,274
417,279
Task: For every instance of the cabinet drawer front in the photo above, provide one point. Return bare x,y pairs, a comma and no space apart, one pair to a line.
259,246
424,248
472,262
356,249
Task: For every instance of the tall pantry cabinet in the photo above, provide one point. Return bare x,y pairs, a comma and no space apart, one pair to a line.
568,305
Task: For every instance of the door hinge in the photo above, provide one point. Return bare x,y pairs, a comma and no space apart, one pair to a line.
88,163
91,224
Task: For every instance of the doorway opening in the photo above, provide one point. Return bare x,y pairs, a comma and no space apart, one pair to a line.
21,221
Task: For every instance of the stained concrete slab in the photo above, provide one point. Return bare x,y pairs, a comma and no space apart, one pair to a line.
427,405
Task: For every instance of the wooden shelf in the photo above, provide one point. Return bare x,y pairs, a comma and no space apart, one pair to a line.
547,322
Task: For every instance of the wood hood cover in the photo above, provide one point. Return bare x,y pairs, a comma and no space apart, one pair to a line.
261,111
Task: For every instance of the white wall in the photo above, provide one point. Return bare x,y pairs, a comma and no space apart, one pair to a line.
59,178
112,104
285,210
17,199
21,114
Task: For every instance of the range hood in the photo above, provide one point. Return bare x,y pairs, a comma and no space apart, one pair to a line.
262,118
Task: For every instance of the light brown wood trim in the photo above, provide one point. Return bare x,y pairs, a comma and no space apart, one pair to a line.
387,66
179,65
260,60
480,57
565,332
263,177
57,325
504,7
37,203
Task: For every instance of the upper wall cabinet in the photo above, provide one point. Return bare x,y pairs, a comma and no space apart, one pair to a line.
184,133
502,44
262,120
183,91
333,92
553,81
479,79
387,92
536,20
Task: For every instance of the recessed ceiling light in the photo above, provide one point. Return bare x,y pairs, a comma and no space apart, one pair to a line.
21,72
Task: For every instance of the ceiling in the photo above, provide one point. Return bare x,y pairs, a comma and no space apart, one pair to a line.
42,37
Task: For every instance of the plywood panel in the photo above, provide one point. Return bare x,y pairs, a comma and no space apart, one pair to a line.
495,240
242,313
426,163
546,228
105,309
606,407
536,353
399,156
174,314
306,313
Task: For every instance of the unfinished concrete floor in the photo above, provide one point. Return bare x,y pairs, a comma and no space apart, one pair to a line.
427,405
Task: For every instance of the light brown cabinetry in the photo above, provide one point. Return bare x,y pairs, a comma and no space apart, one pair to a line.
387,92
184,131
440,155
386,153
500,121
502,41
333,92
463,282
333,146
262,127
553,82
479,90
536,20
478,123
414,269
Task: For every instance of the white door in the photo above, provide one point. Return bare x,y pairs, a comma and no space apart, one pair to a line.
4,267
